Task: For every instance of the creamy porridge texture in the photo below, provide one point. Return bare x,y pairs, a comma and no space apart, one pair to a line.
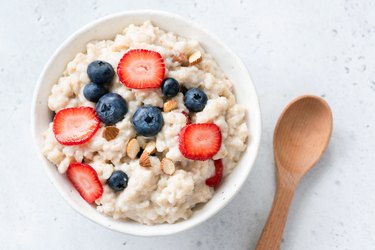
165,183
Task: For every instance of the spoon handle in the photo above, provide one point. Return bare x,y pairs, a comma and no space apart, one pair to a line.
273,230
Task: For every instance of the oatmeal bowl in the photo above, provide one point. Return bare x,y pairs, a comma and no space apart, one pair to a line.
145,123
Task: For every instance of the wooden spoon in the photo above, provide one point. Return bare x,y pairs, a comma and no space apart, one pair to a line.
301,136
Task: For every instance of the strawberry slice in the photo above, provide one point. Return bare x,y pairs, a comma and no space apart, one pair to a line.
199,141
73,126
215,180
85,179
141,69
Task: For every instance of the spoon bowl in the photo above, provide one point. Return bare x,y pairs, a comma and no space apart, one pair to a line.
301,136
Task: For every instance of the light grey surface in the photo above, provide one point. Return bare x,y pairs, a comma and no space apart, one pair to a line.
290,48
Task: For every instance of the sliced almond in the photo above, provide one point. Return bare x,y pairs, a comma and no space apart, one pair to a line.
132,149
110,133
195,58
150,148
167,166
170,105
144,160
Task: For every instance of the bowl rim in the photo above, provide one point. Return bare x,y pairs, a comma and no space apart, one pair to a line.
256,137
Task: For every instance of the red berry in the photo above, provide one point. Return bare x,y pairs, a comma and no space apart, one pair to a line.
85,179
215,180
73,126
141,69
188,120
200,141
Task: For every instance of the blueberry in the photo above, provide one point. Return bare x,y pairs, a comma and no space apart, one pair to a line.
100,72
118,180
170,87
195,100
148,120
93,91
111,108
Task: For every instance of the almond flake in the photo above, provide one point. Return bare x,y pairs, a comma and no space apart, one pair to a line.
150,148
167,166
170,105
110,133
132,148
195,58
144,160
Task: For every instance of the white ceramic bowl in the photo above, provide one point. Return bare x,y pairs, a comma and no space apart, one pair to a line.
107,28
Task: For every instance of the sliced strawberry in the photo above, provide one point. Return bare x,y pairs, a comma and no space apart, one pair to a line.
186,114
200,141
141,69
215,180
85,179
73,126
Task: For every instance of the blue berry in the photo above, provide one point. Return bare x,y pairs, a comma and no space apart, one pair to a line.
100,72
93,91
118,180
170,87
111,108
195,100
148,120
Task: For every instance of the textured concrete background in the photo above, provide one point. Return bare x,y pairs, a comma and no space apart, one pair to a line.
290,48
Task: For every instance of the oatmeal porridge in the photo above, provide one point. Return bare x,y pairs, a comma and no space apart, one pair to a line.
146,125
